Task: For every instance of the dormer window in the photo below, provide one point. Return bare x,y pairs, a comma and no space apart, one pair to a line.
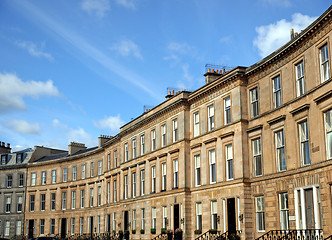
4,159
19,157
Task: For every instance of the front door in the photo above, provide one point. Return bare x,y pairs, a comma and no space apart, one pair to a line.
309,208
231,215
30,230
108,223
63,228
91,226
126,220
176,216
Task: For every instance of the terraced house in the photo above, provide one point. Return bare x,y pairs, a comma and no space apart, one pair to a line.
13,173
249,152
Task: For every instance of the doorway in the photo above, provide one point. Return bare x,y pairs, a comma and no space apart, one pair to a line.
63,228
126,220
309,208
176,216
231,215
108,223
91,226
30,230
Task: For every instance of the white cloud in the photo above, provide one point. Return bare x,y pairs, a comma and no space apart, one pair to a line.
126,3
112,122
126,48
22,126
80,135
271,37
98,7
182,48
13,89
34,50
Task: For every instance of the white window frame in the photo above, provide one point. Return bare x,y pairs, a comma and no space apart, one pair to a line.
83,172
33,179
91,197
163,177
92,166
115,160
324,62
114,191
214,214
328,133
142,173
196,124
210,110
64,201
165,217
175,130
82,198
134,148
229,162
143,218
43,180
108,161
176,173
133,184
42,226
212,164
42,202
65,175
304,143
277,95
100,167
284,211
300,84
72,226
142,144
197,159
74,173
126,154
154,217
199,216
19,207
280,150
134,219
153,179
163,135
227,110
260,213
257,156
254,102
8,204
153,140
73,199
126,186
53,201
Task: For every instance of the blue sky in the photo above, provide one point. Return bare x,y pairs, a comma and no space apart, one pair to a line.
72,70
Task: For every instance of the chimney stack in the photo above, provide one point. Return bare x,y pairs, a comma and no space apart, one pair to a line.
292,34
102,139
4,149
74,147
212,75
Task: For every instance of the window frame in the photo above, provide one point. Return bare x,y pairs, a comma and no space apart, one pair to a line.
210,115
227,110
212,166
254,103
229,162
300,80
260,213
323,62
175,130
197,170
277,91
196,124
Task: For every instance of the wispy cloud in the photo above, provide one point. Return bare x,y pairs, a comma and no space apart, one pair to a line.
86,48
34,50
127,48
13,89
22,126
126,3
271,37
98,7
112,123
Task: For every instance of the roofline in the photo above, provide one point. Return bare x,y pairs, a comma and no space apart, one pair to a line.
282,50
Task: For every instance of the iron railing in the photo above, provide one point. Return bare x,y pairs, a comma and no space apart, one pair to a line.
230,235
209,235
301,234
161,236
328,238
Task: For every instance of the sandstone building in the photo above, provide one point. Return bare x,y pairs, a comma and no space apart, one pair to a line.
250,151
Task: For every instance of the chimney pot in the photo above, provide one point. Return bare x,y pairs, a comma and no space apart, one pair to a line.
209,70
173,92
292,33
8,145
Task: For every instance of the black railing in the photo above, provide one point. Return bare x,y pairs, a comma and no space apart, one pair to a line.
328,238
209,235
161,236
230,236
302,234
100,236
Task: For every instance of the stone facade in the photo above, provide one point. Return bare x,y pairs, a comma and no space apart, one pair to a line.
250,151
13,173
